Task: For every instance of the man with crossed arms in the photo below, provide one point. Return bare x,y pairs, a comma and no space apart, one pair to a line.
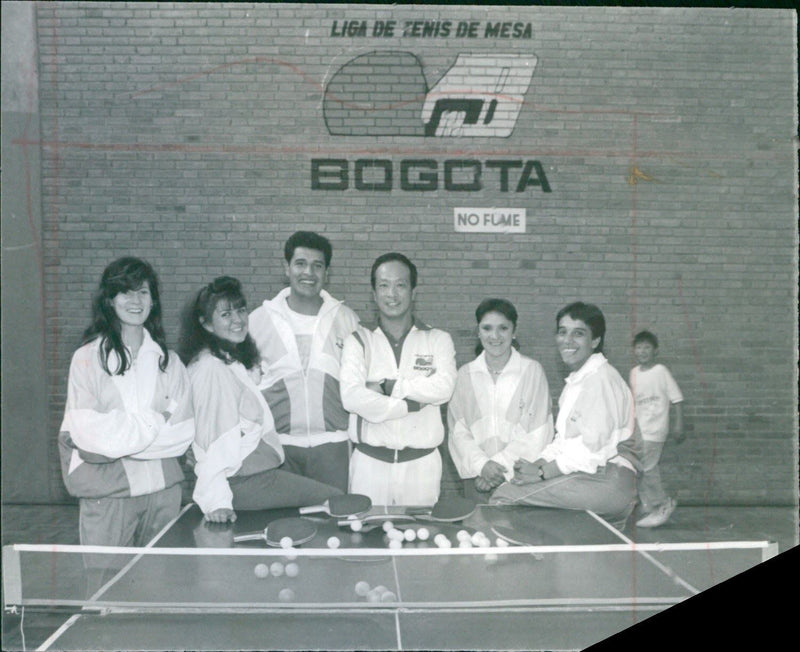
393,380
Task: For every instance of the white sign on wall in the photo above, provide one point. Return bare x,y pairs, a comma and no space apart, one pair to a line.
489,220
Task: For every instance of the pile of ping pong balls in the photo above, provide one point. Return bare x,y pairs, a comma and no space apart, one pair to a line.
378,594
397,536
277,569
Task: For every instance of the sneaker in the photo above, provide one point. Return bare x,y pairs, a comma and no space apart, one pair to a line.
659,515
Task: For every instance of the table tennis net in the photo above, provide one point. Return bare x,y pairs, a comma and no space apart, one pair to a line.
217,579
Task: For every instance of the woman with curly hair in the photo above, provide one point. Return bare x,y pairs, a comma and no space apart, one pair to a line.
238,455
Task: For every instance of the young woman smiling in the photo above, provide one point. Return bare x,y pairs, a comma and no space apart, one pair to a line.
500,410
128,416
236,448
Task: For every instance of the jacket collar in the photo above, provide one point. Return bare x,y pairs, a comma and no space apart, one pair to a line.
595,361
513,363
278,302
415,323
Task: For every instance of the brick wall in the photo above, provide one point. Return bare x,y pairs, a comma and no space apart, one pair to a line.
184,133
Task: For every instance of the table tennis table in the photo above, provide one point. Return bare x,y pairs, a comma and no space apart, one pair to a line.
576,580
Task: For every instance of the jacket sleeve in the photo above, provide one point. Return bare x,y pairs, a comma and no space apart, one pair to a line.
218,432
467,454
356,396
109,434
601,418
177,433
535,428
437,388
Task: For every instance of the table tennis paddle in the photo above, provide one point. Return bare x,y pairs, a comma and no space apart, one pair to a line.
446,510
298,530
341,506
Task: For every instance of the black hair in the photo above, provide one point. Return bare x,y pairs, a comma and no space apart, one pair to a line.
120,276
590,315
501,306
309,240
195,337
645,336
393,256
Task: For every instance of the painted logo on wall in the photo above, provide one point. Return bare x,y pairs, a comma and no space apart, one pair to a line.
386,94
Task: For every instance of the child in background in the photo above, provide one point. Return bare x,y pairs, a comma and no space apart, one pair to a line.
655,392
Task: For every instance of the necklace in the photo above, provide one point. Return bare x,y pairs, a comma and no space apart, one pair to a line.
496,372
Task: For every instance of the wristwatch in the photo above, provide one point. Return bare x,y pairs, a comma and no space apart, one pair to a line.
541,473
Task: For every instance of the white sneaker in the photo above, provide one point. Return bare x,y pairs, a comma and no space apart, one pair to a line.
659,515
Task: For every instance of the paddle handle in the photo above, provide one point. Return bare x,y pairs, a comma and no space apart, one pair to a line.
255,536
313,509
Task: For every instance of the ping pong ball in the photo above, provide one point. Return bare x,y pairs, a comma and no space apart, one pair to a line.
292,570
276,568
333,542
286,542
465,543
409,535
261,571
423,534
501,543
395,544
387,526
395,535
388,596
356,526
462,535
373,596
362,588
286,595
480,540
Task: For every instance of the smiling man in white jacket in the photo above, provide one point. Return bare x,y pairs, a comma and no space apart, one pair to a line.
300,334
394,379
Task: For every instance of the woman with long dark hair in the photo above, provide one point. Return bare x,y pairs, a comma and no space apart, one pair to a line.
237,451
128,416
